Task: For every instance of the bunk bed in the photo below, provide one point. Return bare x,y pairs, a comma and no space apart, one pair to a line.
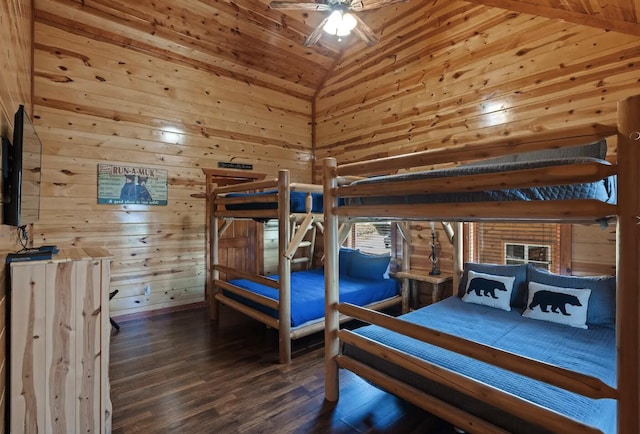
290,302
421,357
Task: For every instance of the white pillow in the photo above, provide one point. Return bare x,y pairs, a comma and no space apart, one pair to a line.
562,305
489,290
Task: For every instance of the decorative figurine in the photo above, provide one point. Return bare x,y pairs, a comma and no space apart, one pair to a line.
435,268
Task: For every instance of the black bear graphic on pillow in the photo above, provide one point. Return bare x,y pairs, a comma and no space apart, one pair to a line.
556,300
485,287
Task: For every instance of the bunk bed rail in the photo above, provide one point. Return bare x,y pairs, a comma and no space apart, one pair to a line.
564,378
551,139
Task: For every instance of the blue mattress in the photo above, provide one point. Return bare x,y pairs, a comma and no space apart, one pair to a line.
307,293
590,352
296,203
603,190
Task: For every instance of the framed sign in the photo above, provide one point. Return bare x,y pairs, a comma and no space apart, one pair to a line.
241,166
131,185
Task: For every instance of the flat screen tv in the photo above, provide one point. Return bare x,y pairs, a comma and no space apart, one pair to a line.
21,173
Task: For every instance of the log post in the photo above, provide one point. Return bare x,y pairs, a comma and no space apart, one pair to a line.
214,254
406,265
458,255
628,265
284,268
331,298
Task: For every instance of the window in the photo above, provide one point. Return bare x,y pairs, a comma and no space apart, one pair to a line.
371,237
527,254
515,243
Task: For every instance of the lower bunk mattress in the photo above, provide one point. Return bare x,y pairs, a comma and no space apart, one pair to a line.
307,294
590,352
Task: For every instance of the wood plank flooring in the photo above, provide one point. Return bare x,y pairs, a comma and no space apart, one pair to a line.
181,373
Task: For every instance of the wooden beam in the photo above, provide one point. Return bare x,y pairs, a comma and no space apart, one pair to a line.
331,299
298,236
235,273
284,267
257,298
628,266
584,19
574,210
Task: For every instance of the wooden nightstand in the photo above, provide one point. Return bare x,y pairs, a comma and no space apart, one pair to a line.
411,278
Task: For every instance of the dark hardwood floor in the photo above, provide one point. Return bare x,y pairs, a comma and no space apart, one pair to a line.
180,373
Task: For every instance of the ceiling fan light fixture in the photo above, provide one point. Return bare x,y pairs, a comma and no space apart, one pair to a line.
340,24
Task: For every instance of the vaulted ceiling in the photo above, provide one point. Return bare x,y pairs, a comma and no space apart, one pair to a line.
247,40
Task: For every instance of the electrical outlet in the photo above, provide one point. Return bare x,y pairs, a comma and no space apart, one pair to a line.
147,290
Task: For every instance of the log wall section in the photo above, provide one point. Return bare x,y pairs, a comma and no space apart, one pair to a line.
456,72
421,247
15,89
593,250
102,97
420,260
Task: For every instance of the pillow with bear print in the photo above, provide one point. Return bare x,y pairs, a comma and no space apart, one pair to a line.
519,272
489,290
602,302
562,305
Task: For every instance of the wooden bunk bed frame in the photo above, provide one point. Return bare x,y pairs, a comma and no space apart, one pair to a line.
627,211
292,228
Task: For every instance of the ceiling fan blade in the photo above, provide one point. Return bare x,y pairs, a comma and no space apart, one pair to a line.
363,5
315,35
300,6
365,32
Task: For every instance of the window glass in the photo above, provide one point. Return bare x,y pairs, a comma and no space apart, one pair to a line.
527,254
371,237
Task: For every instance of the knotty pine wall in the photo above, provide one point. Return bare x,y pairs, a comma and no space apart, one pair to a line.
455,72
593,250
15,89
98,100
421,247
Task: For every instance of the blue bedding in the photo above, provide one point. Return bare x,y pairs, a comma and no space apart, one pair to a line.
591,352
296,203
604,190
307,293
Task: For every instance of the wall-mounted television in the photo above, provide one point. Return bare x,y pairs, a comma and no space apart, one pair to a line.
21,168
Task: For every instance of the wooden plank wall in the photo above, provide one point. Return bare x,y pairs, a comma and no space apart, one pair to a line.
593,250
455,72
421,247
100,98
15,89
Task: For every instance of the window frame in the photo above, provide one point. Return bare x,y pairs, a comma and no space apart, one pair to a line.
526,260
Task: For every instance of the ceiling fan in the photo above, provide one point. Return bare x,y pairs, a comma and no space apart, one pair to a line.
340,22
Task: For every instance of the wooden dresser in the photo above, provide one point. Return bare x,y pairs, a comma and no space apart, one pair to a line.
59,343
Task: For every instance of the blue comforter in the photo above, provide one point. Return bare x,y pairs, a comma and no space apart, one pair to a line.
591,352
307,293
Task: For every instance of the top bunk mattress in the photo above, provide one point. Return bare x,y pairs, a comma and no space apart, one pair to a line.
603,190
296,202
591,352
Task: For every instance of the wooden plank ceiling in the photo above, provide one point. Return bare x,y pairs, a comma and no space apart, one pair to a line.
246,40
